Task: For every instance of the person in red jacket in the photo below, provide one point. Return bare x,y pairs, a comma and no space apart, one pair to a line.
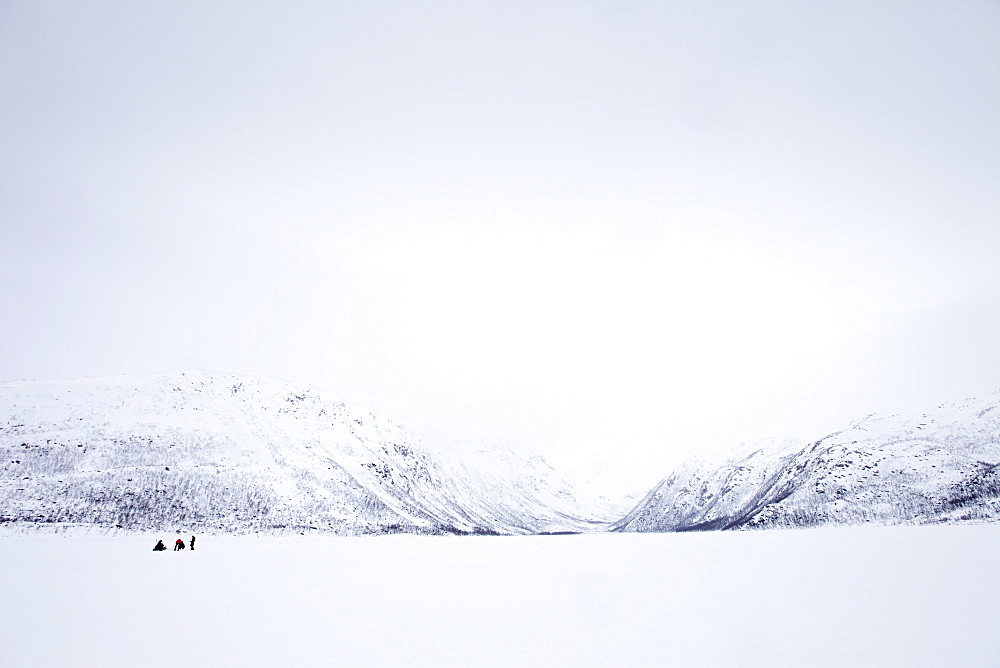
179,545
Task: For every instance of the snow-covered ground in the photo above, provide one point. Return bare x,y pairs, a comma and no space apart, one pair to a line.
905,596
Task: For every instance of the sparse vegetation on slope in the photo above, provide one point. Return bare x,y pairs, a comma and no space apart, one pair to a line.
210,452
937,467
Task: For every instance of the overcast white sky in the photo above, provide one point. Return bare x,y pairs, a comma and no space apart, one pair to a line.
636,230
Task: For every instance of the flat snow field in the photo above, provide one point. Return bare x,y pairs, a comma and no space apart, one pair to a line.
905,596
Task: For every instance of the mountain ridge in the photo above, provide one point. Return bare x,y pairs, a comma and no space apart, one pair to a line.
211,452
938,466
216,451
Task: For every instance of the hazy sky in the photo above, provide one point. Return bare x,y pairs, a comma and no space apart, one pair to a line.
632,229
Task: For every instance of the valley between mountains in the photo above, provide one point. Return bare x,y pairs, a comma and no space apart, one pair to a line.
215,453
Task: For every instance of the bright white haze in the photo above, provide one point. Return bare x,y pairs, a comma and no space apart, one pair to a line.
613,231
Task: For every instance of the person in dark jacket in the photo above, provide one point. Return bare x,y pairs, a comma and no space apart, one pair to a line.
159,547
179,545
192,543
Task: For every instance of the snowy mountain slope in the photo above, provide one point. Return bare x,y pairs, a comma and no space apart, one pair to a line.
211,452
937,467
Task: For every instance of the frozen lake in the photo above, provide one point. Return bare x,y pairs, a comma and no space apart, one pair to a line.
902,596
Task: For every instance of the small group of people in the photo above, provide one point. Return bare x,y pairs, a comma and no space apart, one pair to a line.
178,545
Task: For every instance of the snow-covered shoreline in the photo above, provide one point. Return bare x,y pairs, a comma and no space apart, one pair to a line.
904,596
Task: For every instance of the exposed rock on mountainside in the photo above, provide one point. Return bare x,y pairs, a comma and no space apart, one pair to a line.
218,453
211,452
941,466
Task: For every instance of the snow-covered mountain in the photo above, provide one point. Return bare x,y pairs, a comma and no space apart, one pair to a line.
201,451
940,466
209,452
